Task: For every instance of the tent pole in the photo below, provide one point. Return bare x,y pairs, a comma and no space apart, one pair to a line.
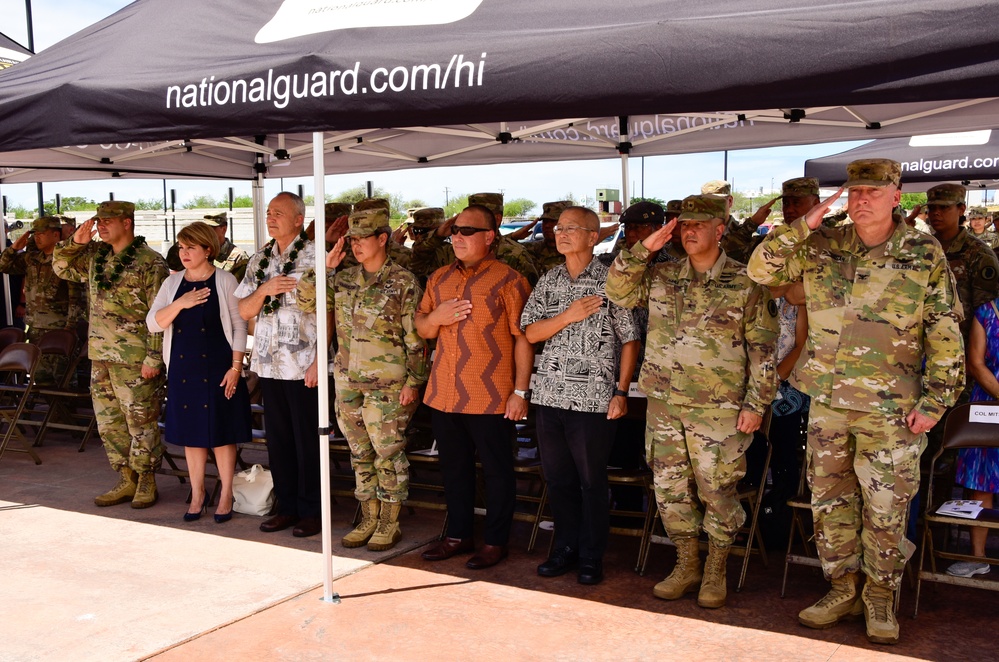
322,360
259,211
624,147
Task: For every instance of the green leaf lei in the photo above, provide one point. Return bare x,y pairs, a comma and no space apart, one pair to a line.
125,260
271,304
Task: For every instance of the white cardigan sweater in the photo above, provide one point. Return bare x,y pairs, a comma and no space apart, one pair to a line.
233,325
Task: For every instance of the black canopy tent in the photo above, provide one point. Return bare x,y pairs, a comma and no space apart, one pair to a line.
184,77
971,158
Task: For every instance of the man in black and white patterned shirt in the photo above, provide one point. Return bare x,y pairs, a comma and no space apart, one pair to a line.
580,392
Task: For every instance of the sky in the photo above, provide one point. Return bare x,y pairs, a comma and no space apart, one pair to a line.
665,177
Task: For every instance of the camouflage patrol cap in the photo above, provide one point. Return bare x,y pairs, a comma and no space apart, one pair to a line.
217,220
946,195
428,217
367,222
372,203
335,210
46,223
66,220
674,206
552,210
643,212
716,187
703,208
873,172
977,212
116,209
800,187
491,201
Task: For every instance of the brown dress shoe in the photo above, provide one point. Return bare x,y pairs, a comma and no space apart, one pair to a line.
278,523
487,557
307,526
448,547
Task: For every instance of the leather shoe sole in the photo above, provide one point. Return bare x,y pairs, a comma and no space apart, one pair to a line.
487,557
278,523
448,547
308,526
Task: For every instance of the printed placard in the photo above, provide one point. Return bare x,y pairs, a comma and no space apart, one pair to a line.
983,414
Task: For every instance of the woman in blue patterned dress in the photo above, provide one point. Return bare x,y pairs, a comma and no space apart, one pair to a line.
978,468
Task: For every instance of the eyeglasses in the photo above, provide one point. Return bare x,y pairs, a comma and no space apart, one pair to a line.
419,231
570,229
467,230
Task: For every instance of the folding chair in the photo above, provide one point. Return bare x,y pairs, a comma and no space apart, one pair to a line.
971,425
752,498
801,518
58,342
10,335
76,398
19,361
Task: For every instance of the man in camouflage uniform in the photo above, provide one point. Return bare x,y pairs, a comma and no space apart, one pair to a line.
709,376
978,224
880,301
797,196
51,302
123,276
435,252
544,251
380,367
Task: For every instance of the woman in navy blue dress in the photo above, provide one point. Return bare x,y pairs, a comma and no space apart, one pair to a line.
208,406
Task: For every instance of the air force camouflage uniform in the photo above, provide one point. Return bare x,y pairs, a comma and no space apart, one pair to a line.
709,354
873,315
127,406
51,302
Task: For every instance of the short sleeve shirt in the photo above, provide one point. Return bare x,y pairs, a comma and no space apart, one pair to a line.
284,341
473,368
579,364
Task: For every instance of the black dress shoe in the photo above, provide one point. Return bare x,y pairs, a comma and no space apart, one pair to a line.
278,523
448,547
560,562
591,571
308,526
487,557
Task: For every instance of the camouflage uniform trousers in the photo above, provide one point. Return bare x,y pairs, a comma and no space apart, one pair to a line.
863,470
697,457
374,424
128,410
50,366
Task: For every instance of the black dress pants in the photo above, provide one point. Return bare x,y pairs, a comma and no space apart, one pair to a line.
291,417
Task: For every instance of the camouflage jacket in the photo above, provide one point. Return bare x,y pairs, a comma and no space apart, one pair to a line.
435,252
51,302
872,317
545,257
118,332
976,272
233,259
711,339
669,253
740,239
990,238
377,343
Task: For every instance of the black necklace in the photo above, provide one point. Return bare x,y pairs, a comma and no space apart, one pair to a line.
125,260
271,304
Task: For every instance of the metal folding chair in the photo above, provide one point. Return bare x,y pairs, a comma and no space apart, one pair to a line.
18,361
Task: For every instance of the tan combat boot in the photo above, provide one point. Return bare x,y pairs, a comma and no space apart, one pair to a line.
387,533
842,601
123,491
686,573
879,610
364,528
713,587
145,492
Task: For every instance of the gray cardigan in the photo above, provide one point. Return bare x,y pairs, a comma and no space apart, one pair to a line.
233,325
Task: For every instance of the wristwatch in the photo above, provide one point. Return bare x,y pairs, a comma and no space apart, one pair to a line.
620,392
526,395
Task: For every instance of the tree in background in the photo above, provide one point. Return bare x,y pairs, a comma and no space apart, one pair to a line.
910,200
203,202
455,204
587,201
658,201
518,207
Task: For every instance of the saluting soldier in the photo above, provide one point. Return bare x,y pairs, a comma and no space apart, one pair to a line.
400,254
978,226
51,302
123,275
881,304
544,251
709,376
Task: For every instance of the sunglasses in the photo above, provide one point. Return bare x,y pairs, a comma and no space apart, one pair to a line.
467,230
419,231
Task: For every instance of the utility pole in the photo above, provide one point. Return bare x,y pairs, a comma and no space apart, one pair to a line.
447,201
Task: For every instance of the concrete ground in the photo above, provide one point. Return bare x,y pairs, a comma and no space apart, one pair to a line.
87,583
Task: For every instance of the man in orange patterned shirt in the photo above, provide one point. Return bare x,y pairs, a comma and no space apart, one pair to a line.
478,383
